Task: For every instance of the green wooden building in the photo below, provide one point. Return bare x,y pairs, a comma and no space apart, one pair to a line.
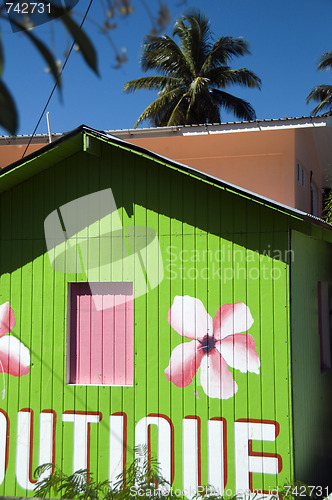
145,303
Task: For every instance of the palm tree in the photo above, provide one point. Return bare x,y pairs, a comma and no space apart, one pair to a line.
193,76
322,93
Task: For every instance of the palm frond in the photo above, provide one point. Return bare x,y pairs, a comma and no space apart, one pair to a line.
152,83
223,76
196,94
325,61
189,74
178,114
194,33
323,95
163,54
156,110
207,109
320,93
224,49
196,87
324,107
241,108
197,22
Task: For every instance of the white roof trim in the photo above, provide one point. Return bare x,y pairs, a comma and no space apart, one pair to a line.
222,128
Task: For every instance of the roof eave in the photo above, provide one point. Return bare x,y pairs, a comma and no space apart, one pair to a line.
75,142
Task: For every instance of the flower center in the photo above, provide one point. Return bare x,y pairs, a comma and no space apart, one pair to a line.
207,343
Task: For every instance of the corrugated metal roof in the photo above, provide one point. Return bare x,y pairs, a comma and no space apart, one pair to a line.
288,122
226,127
73,141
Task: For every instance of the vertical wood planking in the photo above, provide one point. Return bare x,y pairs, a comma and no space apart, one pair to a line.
164,290
93,255
240,277
14,297
195,223
212,265
202,214
37,338
104,405
227,297
255,303
47,368
267,324
143,391
153,334
190,279
281,327
66,188
176,288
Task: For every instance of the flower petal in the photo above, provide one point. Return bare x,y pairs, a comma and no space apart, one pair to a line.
231,319
189,318
184,363
239,351
216,379
14,356
7,319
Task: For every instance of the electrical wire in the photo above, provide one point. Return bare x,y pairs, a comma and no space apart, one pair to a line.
56,83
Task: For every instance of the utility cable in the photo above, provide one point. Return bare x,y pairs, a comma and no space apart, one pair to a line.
56,83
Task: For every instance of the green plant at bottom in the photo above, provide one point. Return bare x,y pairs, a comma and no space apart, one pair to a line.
142,478
327,205
296,490
79,485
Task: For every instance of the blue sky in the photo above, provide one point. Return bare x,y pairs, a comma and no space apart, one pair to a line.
286,38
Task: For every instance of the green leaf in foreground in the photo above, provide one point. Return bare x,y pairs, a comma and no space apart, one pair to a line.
8,111
82,40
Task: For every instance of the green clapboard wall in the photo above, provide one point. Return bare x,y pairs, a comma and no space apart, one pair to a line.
217,247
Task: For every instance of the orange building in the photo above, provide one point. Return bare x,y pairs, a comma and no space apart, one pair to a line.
289,161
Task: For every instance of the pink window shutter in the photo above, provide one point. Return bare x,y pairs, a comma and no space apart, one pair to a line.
101,334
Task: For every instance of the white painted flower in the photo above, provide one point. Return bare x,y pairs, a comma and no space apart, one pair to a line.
216,344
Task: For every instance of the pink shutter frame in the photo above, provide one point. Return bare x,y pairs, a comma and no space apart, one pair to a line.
101,334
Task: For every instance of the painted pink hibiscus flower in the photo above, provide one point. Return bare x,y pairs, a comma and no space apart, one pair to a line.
217,344
14,356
